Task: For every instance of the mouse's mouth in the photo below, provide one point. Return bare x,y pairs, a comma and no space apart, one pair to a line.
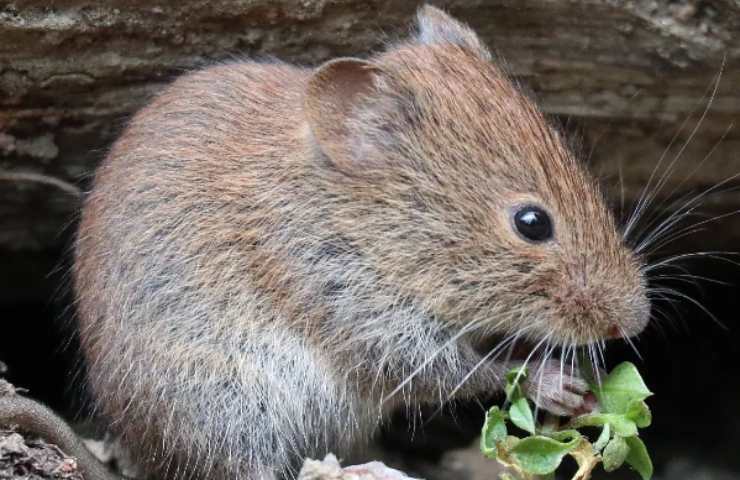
506,349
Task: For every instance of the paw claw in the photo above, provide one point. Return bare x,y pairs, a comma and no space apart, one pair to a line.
575,384
558,392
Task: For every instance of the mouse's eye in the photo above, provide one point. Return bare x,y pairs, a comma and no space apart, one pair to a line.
533,223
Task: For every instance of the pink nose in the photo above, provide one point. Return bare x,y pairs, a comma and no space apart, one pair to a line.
613,332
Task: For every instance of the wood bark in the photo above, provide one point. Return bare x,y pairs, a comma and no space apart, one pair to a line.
626,76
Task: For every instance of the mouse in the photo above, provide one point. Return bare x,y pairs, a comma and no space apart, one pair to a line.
272,257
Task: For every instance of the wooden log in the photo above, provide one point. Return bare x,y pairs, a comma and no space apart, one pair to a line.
624,75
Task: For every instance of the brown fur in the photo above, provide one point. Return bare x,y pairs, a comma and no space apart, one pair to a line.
268,251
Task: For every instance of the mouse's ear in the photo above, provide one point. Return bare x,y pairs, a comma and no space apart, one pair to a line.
335,96
435,26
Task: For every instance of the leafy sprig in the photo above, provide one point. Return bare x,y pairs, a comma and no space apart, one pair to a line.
622,412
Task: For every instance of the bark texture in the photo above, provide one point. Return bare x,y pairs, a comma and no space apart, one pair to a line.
625,74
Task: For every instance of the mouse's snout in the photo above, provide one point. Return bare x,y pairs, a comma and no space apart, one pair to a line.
595,303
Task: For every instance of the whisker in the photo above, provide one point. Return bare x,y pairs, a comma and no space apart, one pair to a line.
563,354
510,351
594,363
693,228
466,329
664,228
696,127
677,294
692,279
657,324
529,357
640,205
673,303
656,226
687,209
483,360
573,359
703,160
541,373
715,255
677,324
645,201
488,357
629,342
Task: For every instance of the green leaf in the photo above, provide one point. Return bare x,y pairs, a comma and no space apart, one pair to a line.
615,453
620,424
521,415
508,443
541,455
639,413
514,378
516,375
603,438
566,436
494,431
620,389
638,457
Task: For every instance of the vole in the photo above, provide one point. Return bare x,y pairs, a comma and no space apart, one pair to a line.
273,257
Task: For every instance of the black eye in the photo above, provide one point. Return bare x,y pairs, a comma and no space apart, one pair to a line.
533,224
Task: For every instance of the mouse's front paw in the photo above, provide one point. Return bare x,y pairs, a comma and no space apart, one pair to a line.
558,391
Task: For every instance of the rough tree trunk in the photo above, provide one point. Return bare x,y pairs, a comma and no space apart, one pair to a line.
625,73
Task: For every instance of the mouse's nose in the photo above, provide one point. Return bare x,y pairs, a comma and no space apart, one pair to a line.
630,314
606,306
613,332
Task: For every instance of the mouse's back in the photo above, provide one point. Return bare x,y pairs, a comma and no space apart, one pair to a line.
166,280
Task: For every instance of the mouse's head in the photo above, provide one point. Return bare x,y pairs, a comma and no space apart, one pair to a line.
464,200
